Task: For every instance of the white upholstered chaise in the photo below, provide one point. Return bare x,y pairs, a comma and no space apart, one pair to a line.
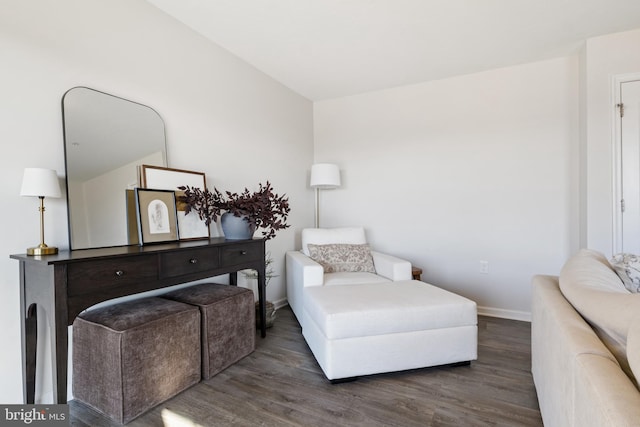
366,323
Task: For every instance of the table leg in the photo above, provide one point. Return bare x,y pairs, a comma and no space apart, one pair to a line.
59,356
262,298
30,344
52,300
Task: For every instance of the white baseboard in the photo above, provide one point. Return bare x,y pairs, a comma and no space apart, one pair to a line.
524,316
280,303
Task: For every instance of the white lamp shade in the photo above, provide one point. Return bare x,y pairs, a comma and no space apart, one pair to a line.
40,182
325,175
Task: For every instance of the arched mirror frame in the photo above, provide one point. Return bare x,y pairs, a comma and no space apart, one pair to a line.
104,146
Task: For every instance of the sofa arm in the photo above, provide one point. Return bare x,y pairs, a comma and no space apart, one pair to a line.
604,395
391,267
305,271
302,271
559,335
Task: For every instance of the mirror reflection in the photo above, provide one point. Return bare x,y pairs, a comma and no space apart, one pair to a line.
106,139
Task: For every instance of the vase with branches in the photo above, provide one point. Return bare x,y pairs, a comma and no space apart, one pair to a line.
262,209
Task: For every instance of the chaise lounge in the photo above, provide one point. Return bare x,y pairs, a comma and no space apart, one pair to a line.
362,314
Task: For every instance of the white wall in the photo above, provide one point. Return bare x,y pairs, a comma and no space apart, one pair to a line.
606,57
452,172
222,117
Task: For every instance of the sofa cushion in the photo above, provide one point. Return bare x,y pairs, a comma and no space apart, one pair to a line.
589,270
627,266
386,308
633,348
325,236
343,257
590,284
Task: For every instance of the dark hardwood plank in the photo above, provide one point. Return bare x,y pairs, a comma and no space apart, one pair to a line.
280,384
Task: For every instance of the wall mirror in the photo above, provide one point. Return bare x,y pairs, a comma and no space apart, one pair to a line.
106,139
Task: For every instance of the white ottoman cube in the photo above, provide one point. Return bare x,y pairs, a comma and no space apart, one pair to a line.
365,329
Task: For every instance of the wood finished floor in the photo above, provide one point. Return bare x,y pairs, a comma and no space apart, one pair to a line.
280,384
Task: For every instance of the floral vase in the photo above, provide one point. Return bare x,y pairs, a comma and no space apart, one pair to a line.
235,227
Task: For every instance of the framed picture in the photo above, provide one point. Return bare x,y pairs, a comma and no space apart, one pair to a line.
157,221
190,227
132,218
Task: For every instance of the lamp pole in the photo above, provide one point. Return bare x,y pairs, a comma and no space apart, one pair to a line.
323,176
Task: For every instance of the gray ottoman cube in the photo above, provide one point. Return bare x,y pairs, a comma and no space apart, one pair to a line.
228,323
132,356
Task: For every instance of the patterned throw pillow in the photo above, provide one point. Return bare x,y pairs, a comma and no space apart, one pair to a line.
336,258
627,266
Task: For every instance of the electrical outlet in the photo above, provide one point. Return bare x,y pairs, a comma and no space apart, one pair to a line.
484,267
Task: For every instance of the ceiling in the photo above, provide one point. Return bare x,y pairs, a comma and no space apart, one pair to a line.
326,49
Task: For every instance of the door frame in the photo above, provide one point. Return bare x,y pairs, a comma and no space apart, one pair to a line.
616,92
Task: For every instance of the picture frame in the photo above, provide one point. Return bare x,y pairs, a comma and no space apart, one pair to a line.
157,217
190,227
133,237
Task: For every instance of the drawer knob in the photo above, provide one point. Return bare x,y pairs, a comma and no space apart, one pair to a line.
243,252
193,261
119,273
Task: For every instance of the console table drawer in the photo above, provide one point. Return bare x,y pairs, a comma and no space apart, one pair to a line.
190,261
239,254
89,276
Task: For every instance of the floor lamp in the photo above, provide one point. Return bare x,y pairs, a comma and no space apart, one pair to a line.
324,176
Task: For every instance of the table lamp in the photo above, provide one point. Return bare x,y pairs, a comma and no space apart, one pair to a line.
41,183
323,176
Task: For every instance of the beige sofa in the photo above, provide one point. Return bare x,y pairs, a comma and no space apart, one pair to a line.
578,379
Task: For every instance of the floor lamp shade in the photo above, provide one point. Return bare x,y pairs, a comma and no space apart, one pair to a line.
40,183
325,175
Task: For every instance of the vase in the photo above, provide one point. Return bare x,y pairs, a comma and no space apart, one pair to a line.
270,314
235,227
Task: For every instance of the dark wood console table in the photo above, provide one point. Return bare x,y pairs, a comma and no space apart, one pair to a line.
69,282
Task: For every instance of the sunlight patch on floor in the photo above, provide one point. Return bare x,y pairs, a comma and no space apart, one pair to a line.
171,419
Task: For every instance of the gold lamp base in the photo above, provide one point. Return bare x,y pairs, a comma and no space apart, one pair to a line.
42,250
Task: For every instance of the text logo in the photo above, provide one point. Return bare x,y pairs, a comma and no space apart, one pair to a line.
34,415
